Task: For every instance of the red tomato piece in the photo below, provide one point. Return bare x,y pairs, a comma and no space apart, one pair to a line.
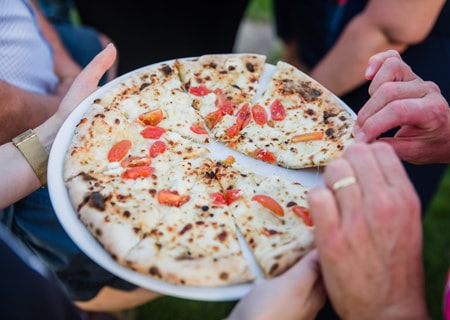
138,172
151,118
157,147
172,198
259,114
227,108
213,118
243,116
269,203
233,130
303,213
220,97
266,155
135,161
119,150
198,128
199,91
277,110
218,198
232,195
152,132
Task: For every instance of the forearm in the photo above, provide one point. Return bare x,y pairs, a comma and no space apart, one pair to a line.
22,110
15,169
342,69
65,66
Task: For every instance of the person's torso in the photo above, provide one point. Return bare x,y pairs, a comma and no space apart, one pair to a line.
26,58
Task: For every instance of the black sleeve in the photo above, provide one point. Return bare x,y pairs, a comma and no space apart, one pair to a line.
26,293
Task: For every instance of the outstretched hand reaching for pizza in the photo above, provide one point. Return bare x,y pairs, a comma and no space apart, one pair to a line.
400,98
296,294
369,236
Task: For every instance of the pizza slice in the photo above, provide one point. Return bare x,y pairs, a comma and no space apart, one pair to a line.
220,83
296,123
194,242
271,213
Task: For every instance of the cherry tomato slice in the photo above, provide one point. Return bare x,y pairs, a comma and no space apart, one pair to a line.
277,110
269,203
266,155
259,114
157,147
243,116
135,161
119,150
152,132
303,213
218,198
232,195
138,172
213,118
172,198
199,91
151,118
233,130
198,128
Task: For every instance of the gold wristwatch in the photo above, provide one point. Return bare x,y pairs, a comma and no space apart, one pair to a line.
32,149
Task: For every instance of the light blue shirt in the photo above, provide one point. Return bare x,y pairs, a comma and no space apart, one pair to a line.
26,57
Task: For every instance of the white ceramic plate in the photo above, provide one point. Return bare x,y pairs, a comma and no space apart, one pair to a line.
84,239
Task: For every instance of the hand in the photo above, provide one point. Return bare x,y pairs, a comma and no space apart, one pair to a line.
85,83
369,236
399,98
296,294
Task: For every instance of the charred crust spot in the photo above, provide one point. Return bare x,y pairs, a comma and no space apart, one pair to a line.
136,230
222,236
87,177
291,204
127,214
231,68
329,132
143,86
166,70
205,208
223,275
98,100
236,86
117,121
96,200
98,232
154,271
212,65
200,223
186,228
310,112
250,67
210,175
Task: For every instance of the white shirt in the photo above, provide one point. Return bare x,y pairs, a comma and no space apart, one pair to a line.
26,57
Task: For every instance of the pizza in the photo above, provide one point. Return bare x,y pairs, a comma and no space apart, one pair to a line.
142,177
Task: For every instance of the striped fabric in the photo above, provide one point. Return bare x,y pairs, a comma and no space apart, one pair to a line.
26,58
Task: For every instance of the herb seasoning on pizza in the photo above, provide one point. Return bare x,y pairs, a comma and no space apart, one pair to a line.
141,176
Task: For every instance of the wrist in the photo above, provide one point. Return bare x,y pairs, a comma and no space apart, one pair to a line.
32,149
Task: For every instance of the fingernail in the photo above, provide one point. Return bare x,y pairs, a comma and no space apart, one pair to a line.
360,136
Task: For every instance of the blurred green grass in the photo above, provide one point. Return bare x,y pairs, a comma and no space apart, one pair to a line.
436,256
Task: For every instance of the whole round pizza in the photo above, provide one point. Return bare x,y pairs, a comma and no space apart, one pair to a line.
143,176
